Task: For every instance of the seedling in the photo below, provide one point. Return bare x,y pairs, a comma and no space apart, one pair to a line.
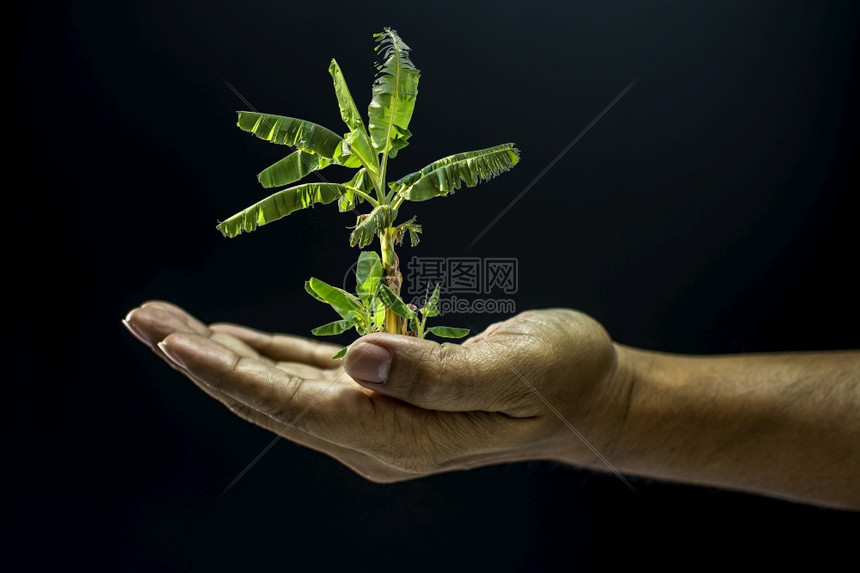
376,305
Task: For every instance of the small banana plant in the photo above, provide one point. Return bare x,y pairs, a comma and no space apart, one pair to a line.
376,305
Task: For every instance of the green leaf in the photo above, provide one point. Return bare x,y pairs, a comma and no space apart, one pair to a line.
340,353
368,274
279,205
430,307
448,331
400,140
395,303
311,292
413,228
292,131
394,92
349,199
317,146
367,226
445,175
348,110
341,301
336,327
291,168
379,316
358,146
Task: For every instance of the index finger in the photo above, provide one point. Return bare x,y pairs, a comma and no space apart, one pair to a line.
154,320
341,412
284,347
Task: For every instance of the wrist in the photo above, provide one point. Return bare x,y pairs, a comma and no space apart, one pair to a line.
592,434
649,420
644,418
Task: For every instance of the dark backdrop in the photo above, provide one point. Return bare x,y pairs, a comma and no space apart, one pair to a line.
711,210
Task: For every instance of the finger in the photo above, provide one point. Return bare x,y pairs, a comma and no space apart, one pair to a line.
313,372
153,321
236,345
284,347
447,377
361,463
395,433
291,399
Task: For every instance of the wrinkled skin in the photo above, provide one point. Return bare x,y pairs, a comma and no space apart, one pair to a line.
541,385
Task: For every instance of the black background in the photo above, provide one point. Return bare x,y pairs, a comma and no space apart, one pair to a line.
711,210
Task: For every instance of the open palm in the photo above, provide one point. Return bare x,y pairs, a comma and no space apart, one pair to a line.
458,407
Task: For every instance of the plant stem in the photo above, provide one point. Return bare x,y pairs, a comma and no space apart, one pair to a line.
364,196
392,275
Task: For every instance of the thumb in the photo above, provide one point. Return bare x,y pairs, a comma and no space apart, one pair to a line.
434,376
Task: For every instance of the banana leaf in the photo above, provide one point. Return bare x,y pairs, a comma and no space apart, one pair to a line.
336,327
340,353
349,199
278,205
348,110
368,226
316,146
368,276
395,303
359,147
291,168
448,331
394,92
411,227
379,316
345,304
445,175
431,306
313,293
292,131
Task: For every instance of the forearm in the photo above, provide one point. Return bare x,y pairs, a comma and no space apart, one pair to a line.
785,425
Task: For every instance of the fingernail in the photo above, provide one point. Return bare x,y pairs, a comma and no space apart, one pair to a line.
368,362
172,357
134,331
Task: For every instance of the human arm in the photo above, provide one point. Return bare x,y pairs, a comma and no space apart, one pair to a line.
779,424
547,384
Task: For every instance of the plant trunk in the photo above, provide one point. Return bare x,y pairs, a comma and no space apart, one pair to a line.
393,278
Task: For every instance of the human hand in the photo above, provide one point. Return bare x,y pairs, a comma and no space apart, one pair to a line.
540,385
